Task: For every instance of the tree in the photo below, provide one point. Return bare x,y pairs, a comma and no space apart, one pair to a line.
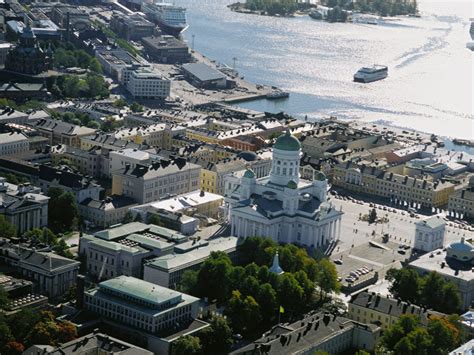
189,280
5,333
405,284
290,293
267,299
186,345
120,103
327,277
136,107
217,338
214,277
7,230
244,313
155,219
62,209
127,218
97,87
451,298
13,348
3,297
372,216
22,322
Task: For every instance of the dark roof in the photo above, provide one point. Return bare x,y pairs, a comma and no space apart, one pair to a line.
389,306
112,202
64,176
300,336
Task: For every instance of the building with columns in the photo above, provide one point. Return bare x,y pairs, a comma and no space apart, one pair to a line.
429,234
282,206
23,206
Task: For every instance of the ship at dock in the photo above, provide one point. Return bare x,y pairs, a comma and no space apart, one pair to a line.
170,18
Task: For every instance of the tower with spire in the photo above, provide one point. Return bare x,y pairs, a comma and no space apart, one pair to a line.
276,269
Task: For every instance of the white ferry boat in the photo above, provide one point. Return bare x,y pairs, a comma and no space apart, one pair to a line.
367,75
170,18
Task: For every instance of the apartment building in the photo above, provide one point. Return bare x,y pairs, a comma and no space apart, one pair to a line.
60,132
368,307
144,84
13,143
372,180
461,202
161,179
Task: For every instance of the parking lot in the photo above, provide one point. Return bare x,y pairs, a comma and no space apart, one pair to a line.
361,244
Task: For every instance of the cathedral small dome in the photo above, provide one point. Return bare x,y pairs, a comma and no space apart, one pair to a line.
462,250
287,142
320,176
247,156
249,174
292,185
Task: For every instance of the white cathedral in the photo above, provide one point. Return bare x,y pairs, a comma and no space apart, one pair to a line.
282,206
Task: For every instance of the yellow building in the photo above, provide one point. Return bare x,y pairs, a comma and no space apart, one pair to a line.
368,307
378,182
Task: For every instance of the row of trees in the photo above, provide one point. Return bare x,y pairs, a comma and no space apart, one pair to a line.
215,339
63,213
135,106
380,7
73,86
430,290
252,294
26,328
409,337
46,236
273,7
77,118
71,57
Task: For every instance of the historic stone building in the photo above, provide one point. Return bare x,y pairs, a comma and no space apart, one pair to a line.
283,206
28,57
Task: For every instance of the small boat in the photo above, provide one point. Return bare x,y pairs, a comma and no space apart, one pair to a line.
277,94
369,74
466,142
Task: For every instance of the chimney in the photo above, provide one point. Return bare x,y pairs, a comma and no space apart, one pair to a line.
80,286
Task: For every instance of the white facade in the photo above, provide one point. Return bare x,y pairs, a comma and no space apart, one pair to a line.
429,234
283,206
141,305
119,159
13,143
144,84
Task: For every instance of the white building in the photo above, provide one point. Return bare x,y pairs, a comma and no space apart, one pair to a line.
13,143
429,234
148,183
167,270
282,206
145,309
119,158
52,275
453,264
146,84
23,206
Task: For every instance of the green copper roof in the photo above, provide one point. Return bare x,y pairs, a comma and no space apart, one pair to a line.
292,185
249,174
287,142
320,176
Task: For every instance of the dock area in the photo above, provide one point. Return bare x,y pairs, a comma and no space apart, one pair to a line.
185,92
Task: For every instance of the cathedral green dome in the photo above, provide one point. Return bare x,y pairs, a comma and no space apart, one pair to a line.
292,185
287,142
249,174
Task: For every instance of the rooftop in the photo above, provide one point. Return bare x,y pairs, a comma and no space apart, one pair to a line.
203,72
196,255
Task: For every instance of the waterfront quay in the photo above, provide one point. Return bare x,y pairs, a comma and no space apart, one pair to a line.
183,90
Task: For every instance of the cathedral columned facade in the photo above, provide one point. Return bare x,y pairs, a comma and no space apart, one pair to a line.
27,57
282,206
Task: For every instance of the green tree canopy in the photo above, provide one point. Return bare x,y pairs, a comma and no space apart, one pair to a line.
217,338
7,230
186,345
